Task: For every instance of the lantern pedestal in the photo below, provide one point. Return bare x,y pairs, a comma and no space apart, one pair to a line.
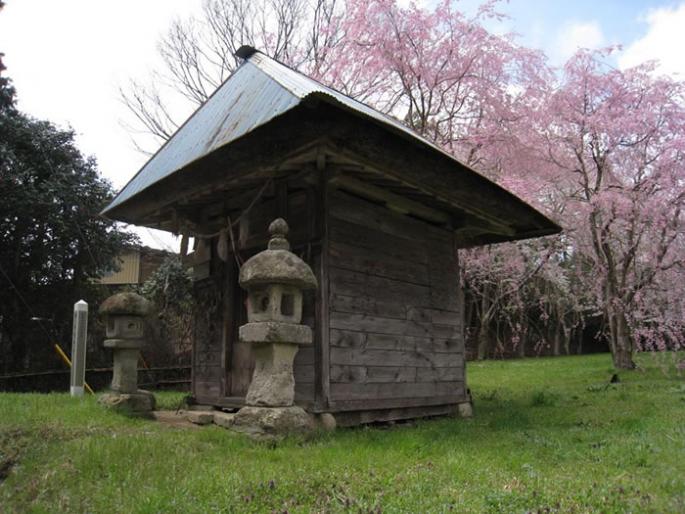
275,345
125,364
273,384
270,412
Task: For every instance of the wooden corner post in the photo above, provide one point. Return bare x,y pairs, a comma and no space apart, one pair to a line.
322,347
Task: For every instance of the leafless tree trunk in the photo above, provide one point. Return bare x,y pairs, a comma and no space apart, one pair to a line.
198,55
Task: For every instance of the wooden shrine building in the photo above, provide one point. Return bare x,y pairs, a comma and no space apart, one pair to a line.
376,210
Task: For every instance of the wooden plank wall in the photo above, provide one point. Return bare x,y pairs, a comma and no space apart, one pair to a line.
395,325
207,372
305,371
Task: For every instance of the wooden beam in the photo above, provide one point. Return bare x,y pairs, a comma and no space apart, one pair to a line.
459,396
322,347
472,225
352,418
225,167
482,223
230,305
394,202
423,168
282,199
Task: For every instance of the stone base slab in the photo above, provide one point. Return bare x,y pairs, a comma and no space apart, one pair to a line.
224,419
140,402
465,410
200,417
273,423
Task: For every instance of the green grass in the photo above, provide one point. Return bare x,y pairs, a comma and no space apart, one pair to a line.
548,435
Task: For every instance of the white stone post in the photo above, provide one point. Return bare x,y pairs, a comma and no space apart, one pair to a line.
78,348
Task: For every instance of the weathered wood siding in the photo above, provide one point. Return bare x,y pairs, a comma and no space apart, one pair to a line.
208,370
395,324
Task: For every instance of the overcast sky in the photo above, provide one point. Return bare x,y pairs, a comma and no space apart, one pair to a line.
68,58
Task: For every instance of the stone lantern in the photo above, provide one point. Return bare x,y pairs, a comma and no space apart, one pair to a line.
274,280
124,315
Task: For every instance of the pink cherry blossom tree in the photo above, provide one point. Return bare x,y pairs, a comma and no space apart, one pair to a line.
614,143
601,148
443,73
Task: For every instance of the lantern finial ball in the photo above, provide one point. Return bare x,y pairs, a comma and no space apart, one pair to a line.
278,229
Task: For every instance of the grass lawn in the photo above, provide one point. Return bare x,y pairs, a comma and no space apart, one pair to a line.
548,435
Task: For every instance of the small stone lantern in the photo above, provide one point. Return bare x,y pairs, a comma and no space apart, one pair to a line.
124,315
274,280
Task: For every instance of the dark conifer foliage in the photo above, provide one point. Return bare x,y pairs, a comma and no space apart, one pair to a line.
53,240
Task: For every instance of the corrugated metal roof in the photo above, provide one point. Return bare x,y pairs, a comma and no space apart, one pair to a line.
302,86
247,99
258,91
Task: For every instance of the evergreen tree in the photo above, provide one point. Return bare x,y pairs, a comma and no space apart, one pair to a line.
54,242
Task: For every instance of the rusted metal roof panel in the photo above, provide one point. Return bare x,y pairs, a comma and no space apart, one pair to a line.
248,99
302,86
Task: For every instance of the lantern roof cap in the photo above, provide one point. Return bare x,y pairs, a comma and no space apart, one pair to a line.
125,304
277,264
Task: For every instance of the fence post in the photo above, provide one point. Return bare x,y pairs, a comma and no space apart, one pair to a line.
78,348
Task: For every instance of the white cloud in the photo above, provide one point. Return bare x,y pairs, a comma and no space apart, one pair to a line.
576,35
663,41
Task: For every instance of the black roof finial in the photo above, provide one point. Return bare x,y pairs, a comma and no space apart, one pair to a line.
245,51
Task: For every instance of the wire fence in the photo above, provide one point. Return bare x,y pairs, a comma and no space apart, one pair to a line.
158,378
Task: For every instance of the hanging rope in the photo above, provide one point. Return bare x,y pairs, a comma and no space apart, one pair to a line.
225,234
238,258
242,214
